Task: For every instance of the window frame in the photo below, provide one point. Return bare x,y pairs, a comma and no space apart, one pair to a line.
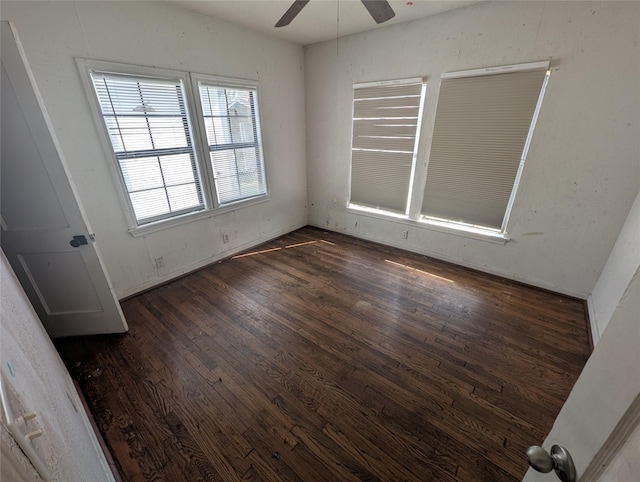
218,81
467,227
196,125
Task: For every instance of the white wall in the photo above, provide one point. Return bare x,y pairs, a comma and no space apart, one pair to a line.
164,35
580,179
582,172
32,370
623,262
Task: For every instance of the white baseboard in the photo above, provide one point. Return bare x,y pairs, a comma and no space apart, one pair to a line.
450,259
152,283
593,321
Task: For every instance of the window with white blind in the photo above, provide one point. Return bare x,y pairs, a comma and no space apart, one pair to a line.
386,116
148,126
484,120
183,143
232,131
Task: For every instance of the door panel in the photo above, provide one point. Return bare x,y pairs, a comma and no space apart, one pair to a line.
61,295
27,166
41,214
603,406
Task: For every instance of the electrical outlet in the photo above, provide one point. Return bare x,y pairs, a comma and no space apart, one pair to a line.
225,237
405,234
160,262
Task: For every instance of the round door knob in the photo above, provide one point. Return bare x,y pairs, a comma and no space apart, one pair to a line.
78,240
539,459
559,460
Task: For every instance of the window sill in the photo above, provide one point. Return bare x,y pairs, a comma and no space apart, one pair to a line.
440,226
187,218
466,231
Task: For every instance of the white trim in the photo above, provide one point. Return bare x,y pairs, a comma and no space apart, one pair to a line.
416,145
414,80
219,81
189,217
614,443
483,267
202,156
525,151
205,262
225,82
443,227
374,212
189,83
129,69
593,320
474,232
351,131
87,66
543,65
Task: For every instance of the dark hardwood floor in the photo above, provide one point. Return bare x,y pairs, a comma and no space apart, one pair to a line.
323,357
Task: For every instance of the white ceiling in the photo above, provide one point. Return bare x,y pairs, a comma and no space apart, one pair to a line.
319,20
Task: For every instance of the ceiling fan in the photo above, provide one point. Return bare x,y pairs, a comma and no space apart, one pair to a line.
380,10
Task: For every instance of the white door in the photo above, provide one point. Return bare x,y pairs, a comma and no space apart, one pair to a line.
604,405
66,284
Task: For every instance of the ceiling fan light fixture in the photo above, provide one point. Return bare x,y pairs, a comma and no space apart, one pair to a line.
291,13
380,11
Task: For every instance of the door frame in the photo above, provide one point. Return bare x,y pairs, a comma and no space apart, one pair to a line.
619,436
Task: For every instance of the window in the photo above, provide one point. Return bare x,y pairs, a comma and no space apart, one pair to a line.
183,143
386,117
149,130
233,132
483,121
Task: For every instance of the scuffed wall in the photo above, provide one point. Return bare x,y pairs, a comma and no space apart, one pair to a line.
34,374
582,173
163,35
621,265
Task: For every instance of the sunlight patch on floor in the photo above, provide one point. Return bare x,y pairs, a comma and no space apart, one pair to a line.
253,253
299,244
420,271
263,251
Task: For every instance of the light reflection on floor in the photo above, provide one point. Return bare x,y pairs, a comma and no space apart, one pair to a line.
420,271
471,302
253,253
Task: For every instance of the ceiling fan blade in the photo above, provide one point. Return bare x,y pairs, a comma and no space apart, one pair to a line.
290,14
380,10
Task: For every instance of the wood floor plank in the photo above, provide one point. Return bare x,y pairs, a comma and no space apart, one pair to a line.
318,356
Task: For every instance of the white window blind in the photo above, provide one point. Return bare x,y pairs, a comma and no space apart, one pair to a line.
385,122
233,137
148,126
481,127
